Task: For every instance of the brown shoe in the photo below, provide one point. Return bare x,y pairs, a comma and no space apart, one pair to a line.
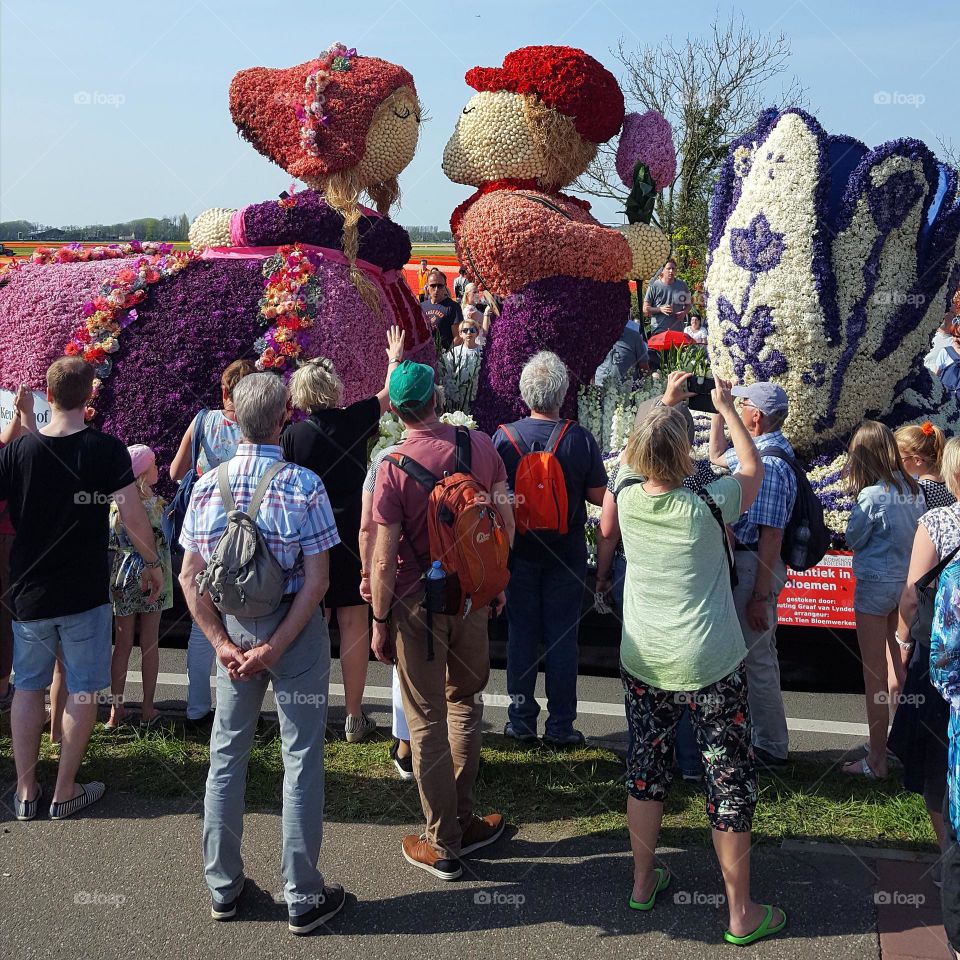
481,832
421,853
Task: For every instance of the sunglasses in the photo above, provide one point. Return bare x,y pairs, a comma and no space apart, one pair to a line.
469,330
434,285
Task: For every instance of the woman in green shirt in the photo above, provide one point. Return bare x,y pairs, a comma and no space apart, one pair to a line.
682,647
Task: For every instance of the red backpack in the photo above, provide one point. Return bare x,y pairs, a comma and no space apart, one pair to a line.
539,488
466,531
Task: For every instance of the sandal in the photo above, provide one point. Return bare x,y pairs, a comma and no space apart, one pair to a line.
860,768
27,809
663,881
764,930
90,793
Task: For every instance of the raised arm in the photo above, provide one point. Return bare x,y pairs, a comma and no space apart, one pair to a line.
750,473
395,342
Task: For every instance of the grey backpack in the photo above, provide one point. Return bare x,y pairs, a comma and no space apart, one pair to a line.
243,576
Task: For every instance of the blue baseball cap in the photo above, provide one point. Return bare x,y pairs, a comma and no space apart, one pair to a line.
766,397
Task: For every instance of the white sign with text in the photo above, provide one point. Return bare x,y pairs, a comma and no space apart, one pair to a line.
40,407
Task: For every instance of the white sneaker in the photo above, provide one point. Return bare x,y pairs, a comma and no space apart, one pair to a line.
359,728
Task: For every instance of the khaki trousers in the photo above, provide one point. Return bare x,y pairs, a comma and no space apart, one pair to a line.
441,698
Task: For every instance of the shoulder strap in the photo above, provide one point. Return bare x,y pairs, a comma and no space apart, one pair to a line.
211,456
261,491
626,482
464,452
718,516
557,435
934,574
545,202
198,438
223,483
514,437
316,426
413,469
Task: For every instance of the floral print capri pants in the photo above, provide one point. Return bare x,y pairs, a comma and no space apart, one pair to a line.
721,725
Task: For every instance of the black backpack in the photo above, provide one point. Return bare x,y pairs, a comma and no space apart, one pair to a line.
806,538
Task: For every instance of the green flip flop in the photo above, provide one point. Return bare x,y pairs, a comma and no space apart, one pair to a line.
663,881
764,930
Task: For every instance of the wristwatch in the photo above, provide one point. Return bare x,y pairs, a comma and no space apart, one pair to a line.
153,564
377,619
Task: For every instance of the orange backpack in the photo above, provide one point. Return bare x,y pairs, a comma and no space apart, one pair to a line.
539,487
466,531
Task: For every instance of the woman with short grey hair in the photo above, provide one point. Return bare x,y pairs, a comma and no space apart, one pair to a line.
548,565
544,382
332,442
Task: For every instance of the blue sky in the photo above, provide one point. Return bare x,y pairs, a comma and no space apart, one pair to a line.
156,137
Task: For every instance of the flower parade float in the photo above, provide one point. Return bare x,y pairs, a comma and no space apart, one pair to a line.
313,273
531,128
830,267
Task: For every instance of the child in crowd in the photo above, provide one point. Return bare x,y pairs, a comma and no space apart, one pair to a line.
921,449
128,599
882,525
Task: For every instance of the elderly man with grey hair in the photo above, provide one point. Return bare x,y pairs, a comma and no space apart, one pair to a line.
561,470
290,648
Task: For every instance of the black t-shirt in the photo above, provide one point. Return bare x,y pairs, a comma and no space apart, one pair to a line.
443,316
58,489
583,469
333,444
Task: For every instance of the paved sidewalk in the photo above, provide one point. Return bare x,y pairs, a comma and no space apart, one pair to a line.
125,881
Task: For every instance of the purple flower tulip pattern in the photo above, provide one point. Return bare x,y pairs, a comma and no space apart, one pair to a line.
841,265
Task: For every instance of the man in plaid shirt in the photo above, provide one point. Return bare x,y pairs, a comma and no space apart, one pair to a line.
291,648
761,572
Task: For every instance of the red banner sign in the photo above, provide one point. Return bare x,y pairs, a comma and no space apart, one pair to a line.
821,596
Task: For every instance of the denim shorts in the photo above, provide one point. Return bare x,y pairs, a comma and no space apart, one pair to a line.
878,597
85,638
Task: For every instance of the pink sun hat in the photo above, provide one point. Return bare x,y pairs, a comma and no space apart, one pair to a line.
142,458
313,119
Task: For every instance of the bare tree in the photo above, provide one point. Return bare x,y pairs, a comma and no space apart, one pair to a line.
950,152
711,88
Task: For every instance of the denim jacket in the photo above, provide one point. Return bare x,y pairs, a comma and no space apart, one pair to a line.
882,525
945,672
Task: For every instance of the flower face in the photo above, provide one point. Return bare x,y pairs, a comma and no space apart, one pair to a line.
493,140
392,138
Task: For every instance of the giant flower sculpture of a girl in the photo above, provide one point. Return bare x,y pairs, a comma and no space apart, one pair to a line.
533,127
311,273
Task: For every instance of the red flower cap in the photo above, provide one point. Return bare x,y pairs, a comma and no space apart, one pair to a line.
566,79
265,103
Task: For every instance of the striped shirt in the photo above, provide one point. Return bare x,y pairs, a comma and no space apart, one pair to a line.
774,502
295,517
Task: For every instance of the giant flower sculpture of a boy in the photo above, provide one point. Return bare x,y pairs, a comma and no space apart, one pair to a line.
533,127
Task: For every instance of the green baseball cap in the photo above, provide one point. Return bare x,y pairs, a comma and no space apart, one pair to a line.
411,385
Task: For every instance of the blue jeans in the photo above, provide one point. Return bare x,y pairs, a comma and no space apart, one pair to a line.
543,607
200,660
301,679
